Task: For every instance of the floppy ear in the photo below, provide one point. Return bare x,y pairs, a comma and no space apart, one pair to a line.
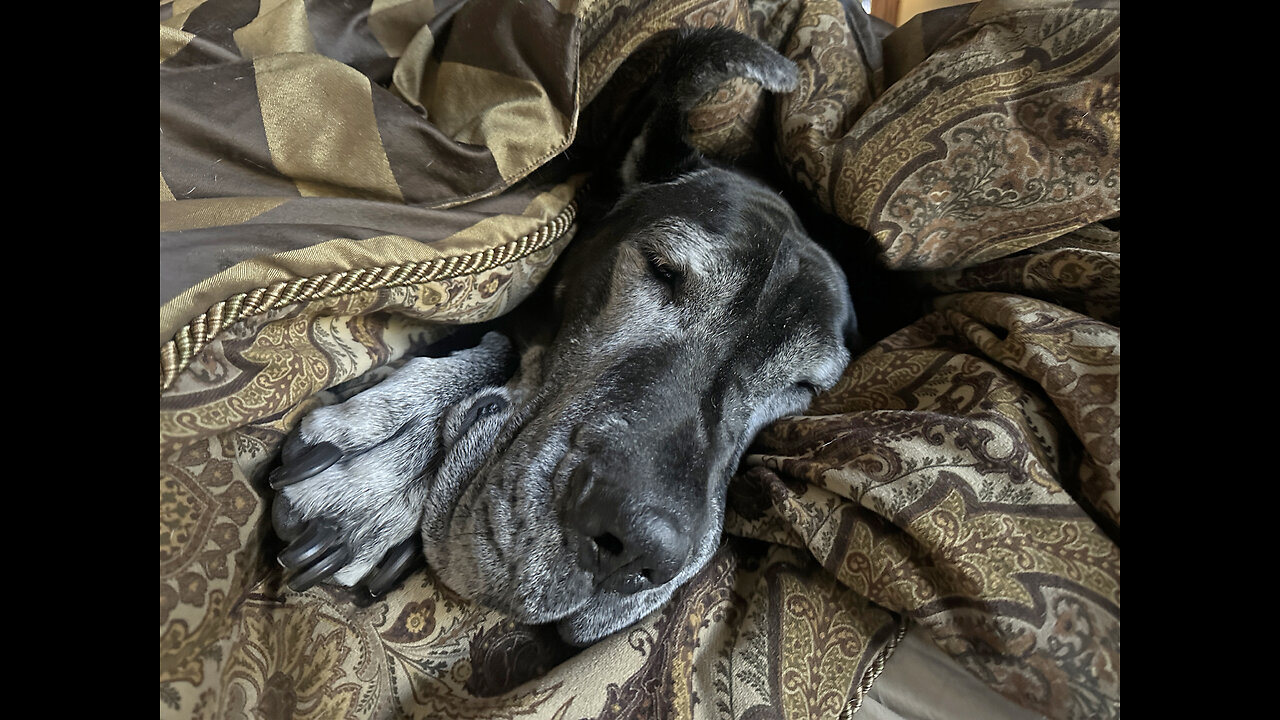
853,338
693,62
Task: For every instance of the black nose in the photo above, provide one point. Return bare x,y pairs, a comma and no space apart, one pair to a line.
629,540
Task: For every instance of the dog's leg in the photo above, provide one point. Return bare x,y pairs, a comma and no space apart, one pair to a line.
355,475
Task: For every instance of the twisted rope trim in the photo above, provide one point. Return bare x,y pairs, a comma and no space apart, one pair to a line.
176,354
873,672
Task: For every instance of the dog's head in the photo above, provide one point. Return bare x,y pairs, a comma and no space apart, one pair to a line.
692,314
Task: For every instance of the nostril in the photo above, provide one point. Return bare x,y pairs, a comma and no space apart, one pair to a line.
612,549
626,544
609,543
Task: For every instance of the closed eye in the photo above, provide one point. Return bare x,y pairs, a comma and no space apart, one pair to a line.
808,387
662,270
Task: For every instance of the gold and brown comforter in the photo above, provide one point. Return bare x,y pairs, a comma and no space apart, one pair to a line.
341,182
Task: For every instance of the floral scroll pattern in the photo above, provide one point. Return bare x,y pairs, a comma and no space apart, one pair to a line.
952,476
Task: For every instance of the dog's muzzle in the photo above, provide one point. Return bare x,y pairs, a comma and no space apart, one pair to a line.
628,541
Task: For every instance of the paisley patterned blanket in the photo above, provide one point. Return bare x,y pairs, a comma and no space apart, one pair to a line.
342,182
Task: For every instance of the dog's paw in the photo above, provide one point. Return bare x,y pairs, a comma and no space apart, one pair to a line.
330,548
354,476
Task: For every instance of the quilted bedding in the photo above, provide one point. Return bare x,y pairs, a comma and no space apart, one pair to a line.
343,182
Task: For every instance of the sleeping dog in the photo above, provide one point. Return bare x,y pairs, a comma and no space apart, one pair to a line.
572,467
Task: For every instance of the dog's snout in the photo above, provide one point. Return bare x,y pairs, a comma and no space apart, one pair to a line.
634,557
628,544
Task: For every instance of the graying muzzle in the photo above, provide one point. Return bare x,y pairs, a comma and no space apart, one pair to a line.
633,535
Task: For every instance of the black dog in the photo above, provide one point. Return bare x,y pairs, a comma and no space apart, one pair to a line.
585,488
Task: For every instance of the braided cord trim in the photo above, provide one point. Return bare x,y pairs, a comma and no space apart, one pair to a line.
176,354
873,672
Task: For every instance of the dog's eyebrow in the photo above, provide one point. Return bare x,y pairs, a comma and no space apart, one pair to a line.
685,245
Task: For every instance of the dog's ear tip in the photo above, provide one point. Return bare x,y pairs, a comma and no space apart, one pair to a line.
853,339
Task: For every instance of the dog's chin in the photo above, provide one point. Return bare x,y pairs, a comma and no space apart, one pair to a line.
530,573
532,598
605,612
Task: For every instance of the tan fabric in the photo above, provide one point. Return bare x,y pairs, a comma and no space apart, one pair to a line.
323,214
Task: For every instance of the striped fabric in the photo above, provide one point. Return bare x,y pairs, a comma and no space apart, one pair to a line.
297,145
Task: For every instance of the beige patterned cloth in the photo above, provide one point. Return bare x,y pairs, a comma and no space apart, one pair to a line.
341,183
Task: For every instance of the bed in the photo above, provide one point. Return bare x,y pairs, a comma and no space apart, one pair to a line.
345,183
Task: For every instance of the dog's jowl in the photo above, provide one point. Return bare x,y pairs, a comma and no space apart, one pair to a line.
573,470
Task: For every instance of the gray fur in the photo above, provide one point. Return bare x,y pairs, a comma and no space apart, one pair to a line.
590,485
